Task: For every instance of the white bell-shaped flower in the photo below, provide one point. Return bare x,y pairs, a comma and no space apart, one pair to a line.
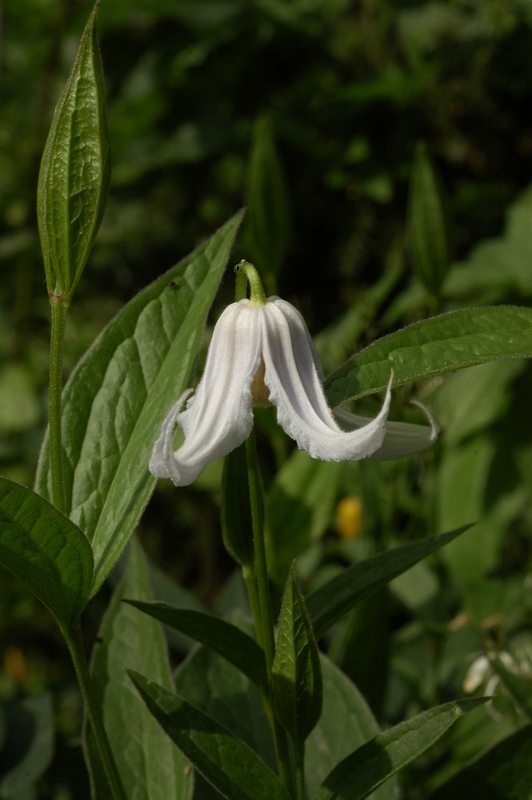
261,353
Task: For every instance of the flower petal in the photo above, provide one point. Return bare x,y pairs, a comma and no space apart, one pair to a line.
294,379
401,439
219,416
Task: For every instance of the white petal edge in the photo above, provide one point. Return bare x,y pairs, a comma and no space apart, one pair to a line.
296,389
219,416
401,439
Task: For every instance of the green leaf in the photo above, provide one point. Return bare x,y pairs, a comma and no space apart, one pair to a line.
235,514
75,170
225,761
299,505
210,683
120,393
129,639
504,772
358,775
45,550
440,344
330,602
427,224
29,746
346,722
268,222
226,639
519,687
296,674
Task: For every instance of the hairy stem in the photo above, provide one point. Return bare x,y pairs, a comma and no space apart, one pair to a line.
59,309
77,652
264,623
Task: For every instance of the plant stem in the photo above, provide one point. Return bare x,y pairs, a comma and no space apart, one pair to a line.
301,792
264,623
77,652
59,309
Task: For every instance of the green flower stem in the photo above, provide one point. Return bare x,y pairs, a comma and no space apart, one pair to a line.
59,309
265,629
301,792
246,271
77,652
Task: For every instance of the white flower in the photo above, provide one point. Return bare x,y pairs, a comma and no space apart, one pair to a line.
261,354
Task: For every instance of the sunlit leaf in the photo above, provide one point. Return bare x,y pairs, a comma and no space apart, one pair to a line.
75,169
120,392
440,344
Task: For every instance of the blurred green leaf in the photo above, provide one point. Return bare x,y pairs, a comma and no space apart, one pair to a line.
29,746
346,722
330,602
358,775
440,344
45,550
19,407
235,513
296,673
500,264
299,505
225,761
427,224
131,640
237,647
120,392
518,686
268,219
503,772
75,170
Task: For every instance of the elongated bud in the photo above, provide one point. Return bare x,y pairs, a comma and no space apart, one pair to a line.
75,171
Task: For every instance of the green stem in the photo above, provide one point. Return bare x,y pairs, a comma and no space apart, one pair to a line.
77,652
264,623
301,792
59,309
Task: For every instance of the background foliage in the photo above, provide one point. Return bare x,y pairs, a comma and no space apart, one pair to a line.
318,105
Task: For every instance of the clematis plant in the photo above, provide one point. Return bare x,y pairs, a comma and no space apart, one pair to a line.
260,354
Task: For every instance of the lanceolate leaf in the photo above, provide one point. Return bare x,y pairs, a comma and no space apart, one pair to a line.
151,768
358,775
120,392
45,550
296,673
75,169
226,639
330,602
225,761
444,343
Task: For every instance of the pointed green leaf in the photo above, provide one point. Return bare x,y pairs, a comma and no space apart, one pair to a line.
235,515
296,673
150,767
226,639
440,344
358,775
120,393
223,760
503,772
427,224
44,550
519,687
347,722
330,602
75,170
